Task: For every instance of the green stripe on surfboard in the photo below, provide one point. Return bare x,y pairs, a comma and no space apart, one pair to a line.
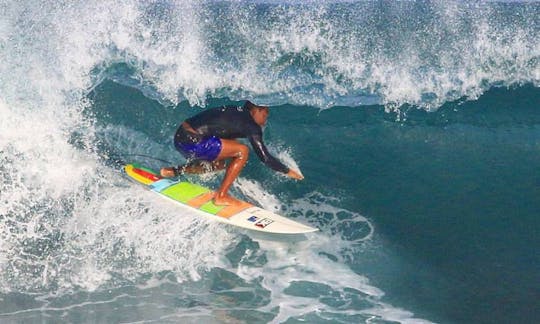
184,191
209,207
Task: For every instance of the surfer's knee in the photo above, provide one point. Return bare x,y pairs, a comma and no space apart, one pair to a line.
243,152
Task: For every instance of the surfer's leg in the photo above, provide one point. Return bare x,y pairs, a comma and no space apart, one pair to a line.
167,172
203,157
238,153
194,167
200,167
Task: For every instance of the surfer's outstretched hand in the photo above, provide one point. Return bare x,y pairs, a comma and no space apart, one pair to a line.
295,175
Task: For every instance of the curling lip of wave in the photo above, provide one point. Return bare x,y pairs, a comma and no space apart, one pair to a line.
331,53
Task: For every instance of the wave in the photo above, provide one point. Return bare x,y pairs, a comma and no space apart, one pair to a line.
319,54
66,226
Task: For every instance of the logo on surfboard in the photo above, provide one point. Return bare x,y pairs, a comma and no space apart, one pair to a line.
264,222
260,223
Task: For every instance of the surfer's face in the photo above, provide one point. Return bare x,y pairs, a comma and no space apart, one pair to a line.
260,115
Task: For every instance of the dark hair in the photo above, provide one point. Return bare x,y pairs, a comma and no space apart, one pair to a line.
250,105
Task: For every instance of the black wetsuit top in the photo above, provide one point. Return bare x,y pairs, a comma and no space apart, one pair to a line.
229,122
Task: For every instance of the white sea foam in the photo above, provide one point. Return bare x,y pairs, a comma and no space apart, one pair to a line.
300,54
68,221
310,55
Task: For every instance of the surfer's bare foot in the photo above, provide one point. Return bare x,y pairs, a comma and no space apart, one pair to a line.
225,200
167,172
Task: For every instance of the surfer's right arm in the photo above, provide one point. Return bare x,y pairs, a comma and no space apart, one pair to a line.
270,161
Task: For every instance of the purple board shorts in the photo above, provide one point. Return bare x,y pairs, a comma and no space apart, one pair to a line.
207,149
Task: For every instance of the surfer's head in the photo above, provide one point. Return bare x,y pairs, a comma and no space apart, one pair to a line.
259,113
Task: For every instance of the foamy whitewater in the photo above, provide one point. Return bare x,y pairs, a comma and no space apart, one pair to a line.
415,124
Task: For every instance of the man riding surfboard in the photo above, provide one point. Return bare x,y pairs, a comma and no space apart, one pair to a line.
211,136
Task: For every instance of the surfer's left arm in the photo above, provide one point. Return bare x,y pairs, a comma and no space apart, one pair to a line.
270,161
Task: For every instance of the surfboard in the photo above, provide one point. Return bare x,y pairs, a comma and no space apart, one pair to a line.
199,199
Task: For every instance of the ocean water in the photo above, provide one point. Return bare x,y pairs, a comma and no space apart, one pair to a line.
415,123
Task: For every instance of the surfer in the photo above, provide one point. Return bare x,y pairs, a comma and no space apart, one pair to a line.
208,139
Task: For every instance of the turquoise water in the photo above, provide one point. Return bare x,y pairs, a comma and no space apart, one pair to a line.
415,124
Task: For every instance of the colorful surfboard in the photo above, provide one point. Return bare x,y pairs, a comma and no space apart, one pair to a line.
199,199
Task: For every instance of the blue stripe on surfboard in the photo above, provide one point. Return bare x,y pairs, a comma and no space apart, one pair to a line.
162,184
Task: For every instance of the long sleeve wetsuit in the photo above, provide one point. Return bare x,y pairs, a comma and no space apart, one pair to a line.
230,122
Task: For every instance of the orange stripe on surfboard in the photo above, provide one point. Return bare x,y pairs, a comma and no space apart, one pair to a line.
229,211
200,200
225,212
